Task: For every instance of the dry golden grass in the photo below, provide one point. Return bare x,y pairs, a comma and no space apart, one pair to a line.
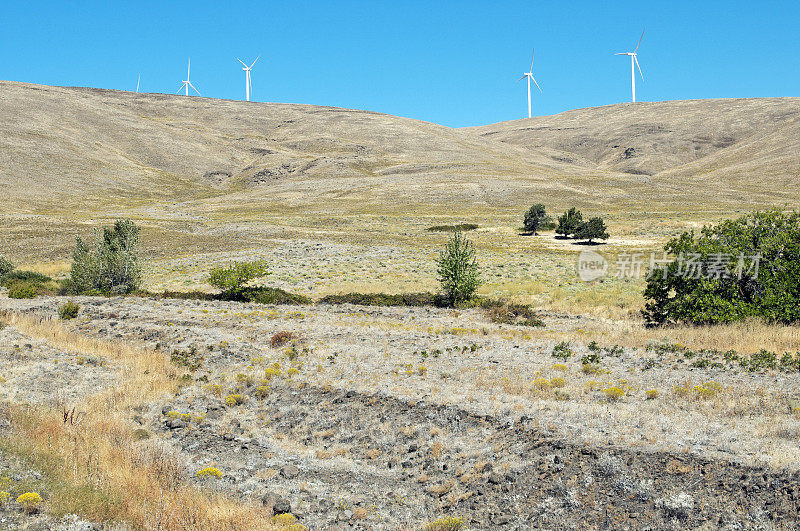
104,473
745,337
51,269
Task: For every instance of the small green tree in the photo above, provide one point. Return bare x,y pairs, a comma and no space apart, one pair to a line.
458,269
594,228
536,218
232,280
569,222
111,265
6,266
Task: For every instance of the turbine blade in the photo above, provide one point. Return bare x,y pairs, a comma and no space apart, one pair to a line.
254,62
532,52
180,89
640,42
535,83
639,67
198,92
188,69
621,53
520,79
245,64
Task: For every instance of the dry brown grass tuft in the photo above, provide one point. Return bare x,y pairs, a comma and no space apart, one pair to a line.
104,474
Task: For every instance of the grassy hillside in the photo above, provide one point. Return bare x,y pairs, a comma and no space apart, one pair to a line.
340,199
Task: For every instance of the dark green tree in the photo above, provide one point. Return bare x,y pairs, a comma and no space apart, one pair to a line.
569,222
536,219
745,267
593,229
458,269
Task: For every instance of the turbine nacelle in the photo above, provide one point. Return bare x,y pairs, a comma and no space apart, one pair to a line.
187,83
246,69
529,75
634,61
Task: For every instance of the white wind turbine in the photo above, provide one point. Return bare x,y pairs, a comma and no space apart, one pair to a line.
247,77
530,77
633,72
187,83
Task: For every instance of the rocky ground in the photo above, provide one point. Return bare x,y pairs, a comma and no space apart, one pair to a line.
393,417
15,475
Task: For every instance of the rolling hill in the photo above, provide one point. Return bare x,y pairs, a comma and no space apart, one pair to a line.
78,149
744,144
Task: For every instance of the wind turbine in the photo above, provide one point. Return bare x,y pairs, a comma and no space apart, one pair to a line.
530,77
187,83
138,79
247,76
633,72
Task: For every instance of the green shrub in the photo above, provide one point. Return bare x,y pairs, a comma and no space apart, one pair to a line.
6,266
386,299
231,280
790,363
461,227
458,269
31,277
767,286
562,351
111,265
536,219
764,359
191,358
187,295
68,310
267,295
23,290
569,222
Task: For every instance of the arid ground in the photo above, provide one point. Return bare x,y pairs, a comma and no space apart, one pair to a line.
385,417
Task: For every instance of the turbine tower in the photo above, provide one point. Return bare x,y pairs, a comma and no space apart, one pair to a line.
187,83
633,72
530,77
247,77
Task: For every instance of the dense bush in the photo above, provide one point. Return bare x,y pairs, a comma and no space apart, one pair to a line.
31,277
593,229
184,295
231,280
6,266
27,284
68,310
111,264
268,295
569,222
458,269
460,227
386,299
749,266
536,219
23,290
498,311
259,294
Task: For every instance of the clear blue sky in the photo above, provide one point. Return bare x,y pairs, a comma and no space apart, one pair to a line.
453,63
